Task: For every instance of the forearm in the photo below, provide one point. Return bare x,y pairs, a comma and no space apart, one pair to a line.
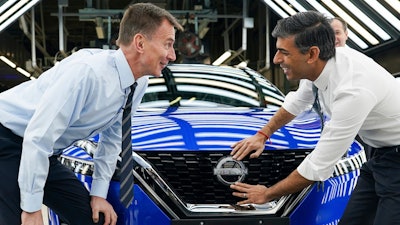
291,184
281,118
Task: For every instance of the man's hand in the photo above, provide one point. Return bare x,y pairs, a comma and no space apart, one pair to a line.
256,194
98,205
259,194
246,146
34,218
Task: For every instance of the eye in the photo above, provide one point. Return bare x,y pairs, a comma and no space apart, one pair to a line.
283,52
169,45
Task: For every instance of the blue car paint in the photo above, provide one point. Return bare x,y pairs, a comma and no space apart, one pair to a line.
312,209
216,129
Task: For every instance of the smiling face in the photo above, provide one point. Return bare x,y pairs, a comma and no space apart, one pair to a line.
158,50
294,64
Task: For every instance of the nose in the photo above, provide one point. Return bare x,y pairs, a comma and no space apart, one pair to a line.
277,58
171,55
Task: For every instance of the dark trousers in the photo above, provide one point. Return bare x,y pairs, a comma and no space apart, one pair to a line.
376,198
63,192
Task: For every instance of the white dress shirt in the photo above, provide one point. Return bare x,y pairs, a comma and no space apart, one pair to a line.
78,98
360,97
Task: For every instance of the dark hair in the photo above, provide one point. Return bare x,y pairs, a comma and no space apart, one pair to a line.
309,28
143,18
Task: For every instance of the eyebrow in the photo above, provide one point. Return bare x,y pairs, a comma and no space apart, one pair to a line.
282,49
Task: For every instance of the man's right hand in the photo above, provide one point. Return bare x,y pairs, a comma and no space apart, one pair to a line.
255,143
34,218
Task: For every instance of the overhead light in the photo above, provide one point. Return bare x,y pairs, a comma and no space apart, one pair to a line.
352,35
99,28
6,5
278,10
222,58
23,72
14,66
371,39
8,62
242,64
357,40
295,4
286,7
320,8
203,28
365,19
14,12
395,4
100,32
384,13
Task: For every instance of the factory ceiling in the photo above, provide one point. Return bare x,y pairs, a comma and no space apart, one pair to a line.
47,31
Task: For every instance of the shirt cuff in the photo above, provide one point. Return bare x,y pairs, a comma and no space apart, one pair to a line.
99,188
311,171
31,202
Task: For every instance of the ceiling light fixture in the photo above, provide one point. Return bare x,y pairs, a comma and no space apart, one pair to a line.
12,10
6,5
365,19
384,13
276,8
99,28
15,12
395,4
358,41
320,8
286,7
295,4
352,35
243,64
363,32
222,58
23,72
8,62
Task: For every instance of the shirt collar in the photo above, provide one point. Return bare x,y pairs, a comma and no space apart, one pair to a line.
322,81
124,71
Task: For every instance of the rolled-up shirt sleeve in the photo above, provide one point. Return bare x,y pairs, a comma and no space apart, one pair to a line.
301,99
350,108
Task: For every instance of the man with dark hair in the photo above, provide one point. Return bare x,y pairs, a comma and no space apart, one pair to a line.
83,95
358,95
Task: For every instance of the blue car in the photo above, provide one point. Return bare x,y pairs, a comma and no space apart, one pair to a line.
182,133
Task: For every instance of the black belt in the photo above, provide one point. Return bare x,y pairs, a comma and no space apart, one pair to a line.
386,149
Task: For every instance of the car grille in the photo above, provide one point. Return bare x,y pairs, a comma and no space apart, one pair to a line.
191,176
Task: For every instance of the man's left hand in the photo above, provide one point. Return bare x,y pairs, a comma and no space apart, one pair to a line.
101,205
253,194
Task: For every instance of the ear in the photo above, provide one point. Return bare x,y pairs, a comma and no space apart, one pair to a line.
313,53
138,42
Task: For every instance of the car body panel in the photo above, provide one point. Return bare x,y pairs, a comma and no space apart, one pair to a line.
181,140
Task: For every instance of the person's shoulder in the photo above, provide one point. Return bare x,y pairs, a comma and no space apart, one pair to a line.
351,53
91,52
345,49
